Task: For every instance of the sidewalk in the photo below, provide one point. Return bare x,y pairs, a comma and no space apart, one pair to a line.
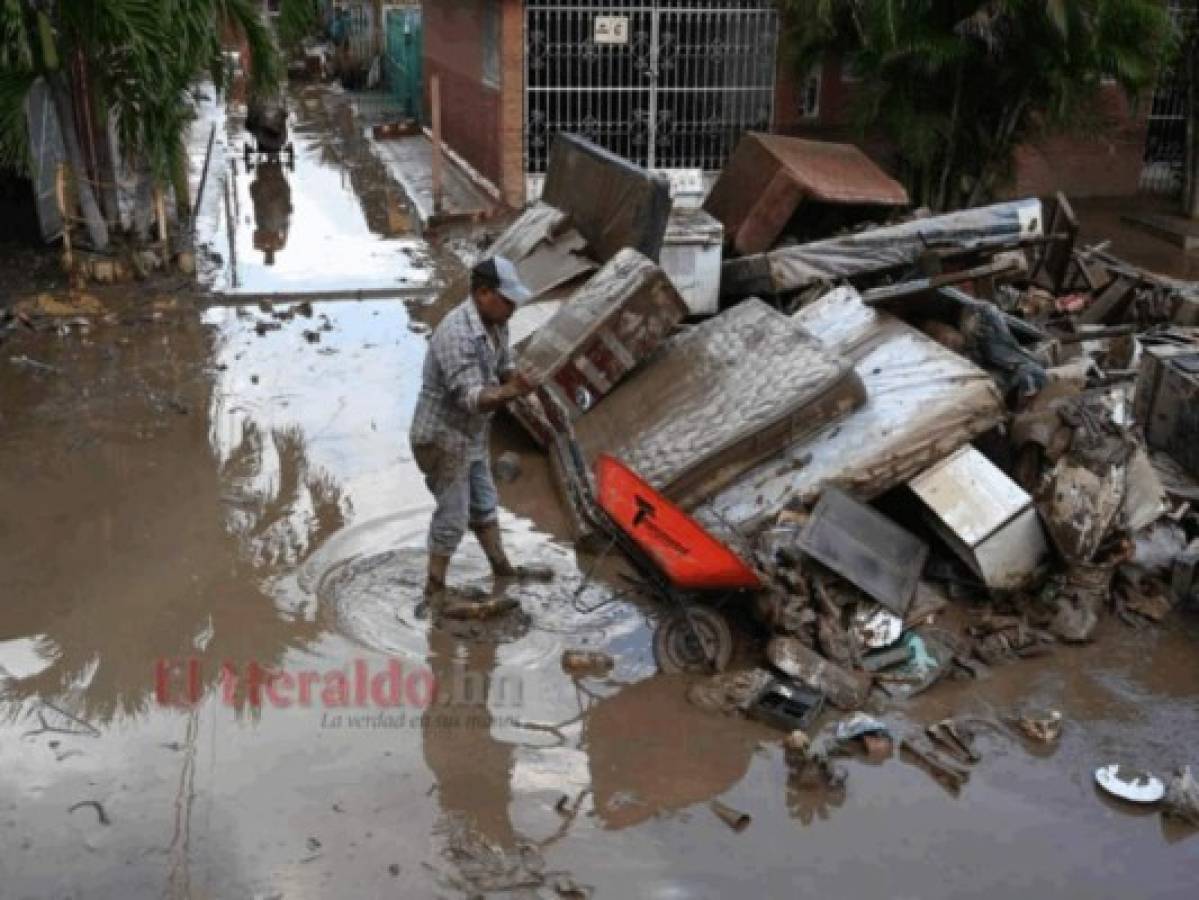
409,159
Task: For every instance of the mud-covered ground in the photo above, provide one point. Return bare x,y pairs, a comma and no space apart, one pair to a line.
194,497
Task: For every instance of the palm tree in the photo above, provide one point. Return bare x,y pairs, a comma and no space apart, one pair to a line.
298,19
957,85
141,56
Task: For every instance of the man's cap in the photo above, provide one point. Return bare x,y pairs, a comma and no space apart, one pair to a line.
500,272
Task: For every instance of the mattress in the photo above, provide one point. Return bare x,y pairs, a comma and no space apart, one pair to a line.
923,403
719,398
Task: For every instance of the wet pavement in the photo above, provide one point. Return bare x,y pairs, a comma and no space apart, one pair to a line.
232,491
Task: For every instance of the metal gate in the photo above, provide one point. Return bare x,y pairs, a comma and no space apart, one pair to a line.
669,85
403,59
1163,169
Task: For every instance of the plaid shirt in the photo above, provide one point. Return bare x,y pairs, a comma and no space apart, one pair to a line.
462,360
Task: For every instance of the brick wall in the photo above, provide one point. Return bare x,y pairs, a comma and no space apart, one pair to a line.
512,103
1101,160
482,122
470,109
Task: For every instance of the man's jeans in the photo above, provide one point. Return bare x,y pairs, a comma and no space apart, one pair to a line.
465,495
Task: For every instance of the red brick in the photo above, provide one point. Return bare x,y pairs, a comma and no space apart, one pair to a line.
470,109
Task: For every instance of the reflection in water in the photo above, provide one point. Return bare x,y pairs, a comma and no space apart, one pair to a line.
271,195
127,559
651,751
337,238
473,769
281,519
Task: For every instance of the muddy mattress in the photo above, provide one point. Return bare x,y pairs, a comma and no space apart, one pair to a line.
924,402
719,398
616,320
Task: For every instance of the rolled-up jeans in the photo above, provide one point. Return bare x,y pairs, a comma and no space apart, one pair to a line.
465,494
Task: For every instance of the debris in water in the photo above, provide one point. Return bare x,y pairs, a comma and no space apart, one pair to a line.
587,663
569,888
24,362
98,806
1182,797
734,818
1043,726
1127,783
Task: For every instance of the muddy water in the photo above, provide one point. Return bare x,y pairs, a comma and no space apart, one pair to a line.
190,489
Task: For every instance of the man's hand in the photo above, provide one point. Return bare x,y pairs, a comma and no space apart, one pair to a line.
493,398
519,382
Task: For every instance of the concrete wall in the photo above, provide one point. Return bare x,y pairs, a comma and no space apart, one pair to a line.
481,121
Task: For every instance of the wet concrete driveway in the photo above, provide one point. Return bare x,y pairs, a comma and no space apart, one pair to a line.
201,498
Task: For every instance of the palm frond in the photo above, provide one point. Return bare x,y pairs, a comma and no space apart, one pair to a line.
15,85
246,16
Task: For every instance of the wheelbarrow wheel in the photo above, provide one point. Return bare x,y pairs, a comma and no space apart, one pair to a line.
698,641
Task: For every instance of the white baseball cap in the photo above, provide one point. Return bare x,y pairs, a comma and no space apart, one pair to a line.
500,272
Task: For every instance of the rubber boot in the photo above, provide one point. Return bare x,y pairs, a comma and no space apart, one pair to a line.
434,583
493,546
501,566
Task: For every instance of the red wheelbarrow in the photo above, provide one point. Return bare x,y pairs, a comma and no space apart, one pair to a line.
679,560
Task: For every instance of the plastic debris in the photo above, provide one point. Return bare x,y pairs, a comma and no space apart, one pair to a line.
587,663
1044,726
1128,783
734,818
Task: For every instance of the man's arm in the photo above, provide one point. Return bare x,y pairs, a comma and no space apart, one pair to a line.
458,359
493,398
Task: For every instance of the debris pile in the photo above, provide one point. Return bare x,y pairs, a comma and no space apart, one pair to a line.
941,443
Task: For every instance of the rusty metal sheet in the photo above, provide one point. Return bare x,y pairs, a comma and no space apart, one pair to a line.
770,175
613,203
865,548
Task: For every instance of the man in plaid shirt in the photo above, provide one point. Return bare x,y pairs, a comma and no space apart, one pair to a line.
468,375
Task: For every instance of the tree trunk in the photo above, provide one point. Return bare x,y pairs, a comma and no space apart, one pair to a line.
183,205
97,228
143,204
1001,149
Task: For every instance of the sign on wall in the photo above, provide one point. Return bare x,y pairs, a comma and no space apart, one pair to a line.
611,29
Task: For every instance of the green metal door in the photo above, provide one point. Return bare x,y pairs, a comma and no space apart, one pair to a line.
404,59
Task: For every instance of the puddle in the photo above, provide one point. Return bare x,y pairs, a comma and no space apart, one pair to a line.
320,219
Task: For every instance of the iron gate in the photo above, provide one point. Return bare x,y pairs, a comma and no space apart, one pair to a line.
1163,169
402,59
671,84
